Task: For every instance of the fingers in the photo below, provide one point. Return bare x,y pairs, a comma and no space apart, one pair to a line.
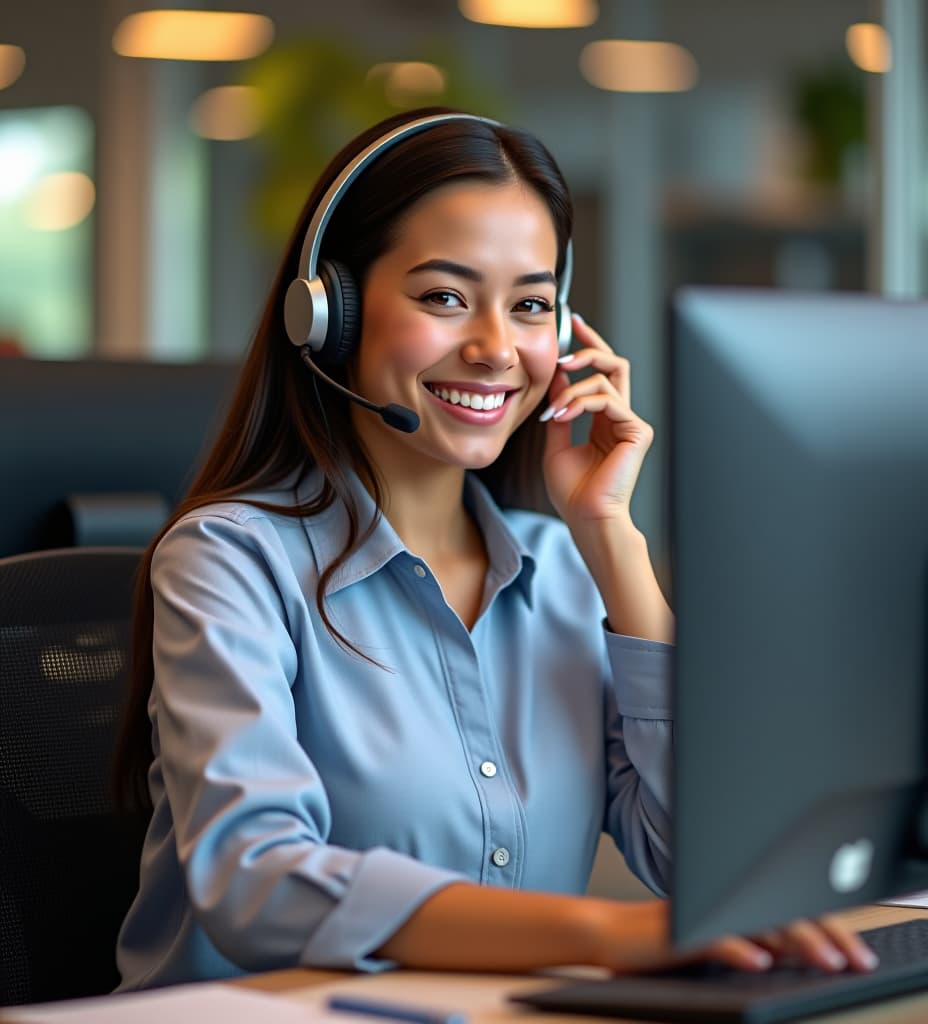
826,943
597,354
859,956
739,953
565,400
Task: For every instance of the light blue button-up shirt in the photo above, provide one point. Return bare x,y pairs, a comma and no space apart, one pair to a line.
306,800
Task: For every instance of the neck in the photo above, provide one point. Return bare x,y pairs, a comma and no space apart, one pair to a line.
427,512
424,503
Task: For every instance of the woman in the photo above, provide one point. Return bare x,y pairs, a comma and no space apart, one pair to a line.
390,718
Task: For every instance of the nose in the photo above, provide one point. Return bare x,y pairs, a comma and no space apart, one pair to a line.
491,343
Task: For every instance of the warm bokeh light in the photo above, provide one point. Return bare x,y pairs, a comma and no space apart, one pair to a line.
193,35
60,201
636,65
12,63
531,13
869,47
407,82
227,113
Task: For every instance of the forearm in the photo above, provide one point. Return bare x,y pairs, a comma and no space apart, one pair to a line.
482,928
618,560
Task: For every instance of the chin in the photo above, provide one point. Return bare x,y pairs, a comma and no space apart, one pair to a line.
474,459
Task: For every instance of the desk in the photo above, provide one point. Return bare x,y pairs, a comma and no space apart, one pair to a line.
484,996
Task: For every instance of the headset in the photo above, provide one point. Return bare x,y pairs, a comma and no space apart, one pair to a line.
322,307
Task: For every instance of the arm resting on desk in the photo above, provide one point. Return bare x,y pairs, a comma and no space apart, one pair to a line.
475,928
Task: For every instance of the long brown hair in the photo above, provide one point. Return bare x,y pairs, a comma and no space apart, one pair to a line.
280,422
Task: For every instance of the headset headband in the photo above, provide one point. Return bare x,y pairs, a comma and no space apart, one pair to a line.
309,256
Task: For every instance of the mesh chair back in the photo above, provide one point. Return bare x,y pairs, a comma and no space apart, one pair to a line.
68,861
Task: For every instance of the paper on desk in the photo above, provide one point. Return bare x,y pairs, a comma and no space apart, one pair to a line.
183,1004
913,899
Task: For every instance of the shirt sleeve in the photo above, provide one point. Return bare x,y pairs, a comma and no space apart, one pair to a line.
639,750
251,816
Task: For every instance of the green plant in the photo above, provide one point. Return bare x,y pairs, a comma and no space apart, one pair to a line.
830,106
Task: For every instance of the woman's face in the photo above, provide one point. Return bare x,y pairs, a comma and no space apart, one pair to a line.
458,324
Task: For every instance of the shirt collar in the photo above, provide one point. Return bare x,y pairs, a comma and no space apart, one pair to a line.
509,559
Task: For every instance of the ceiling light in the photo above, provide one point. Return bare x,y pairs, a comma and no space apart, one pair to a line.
227,113
635,65
60,201
12,62
193,35
869,47
531,13
409,82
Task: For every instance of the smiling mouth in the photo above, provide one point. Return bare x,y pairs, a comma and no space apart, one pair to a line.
470,399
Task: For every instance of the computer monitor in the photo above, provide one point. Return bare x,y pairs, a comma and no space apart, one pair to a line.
100,448
799,495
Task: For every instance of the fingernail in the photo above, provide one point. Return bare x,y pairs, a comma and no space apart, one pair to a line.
578,317
870,959
560,413
567,358
547,414
763,959
836,959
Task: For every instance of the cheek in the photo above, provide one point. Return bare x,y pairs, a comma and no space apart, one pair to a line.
541,364
399,344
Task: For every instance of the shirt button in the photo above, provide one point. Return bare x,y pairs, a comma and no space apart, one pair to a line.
501,857
488,769
419,571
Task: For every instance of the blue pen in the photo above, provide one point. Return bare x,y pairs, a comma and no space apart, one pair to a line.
393,1011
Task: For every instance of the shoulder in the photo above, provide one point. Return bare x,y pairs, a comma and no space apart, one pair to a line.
258,528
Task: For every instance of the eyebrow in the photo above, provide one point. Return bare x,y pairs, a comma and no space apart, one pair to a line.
461,270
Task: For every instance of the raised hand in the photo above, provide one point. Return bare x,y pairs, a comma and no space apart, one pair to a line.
594,480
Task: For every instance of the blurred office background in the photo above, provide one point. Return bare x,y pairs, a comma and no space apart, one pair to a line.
149,174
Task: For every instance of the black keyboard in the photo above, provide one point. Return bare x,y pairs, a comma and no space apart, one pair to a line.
722,995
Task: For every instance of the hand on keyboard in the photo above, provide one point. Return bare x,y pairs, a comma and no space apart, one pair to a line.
637,938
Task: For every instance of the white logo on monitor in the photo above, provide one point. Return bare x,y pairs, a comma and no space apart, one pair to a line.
850,866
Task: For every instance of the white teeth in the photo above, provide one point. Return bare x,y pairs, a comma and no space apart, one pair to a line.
469,399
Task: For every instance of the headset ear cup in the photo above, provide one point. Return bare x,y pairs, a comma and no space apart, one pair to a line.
344,302
564,327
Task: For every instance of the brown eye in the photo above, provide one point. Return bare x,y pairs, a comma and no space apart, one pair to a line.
534,305
445,299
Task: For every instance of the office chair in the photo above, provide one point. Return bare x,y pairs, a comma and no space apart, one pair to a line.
68,861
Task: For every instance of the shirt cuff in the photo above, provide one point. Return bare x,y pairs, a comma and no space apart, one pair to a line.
386,890
642,672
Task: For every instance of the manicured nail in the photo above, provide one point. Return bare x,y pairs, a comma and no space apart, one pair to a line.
578,317
567,358
836,959
870,959
547,414
560,413
763,960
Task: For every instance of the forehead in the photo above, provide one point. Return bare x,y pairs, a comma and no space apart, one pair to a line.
505,217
